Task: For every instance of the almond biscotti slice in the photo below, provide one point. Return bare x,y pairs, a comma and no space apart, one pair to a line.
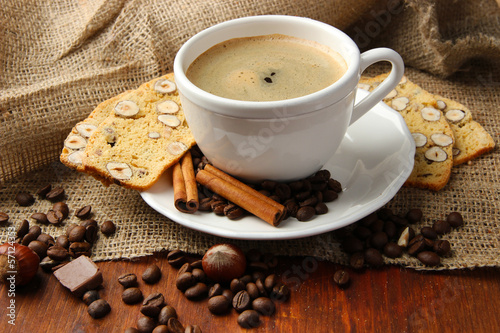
144,135
431,132
76,141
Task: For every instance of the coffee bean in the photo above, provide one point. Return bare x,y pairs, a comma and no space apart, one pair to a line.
35,230
152,305
161,329
264,306
429,258
62,241
55,217
441,227
40,218
62,207
77,234
77,249
184,268
90,296
334,185
310,201
175,326
241,301
393,250
176,258
48,264
390,229
89,222
249,319
257,266
428,232
192,329
25,199
128,280
280,293
237,285
57,194
442,247
28,238
252,290
215,290
152,274
42,191
91,234
246,279
197,264
131,330
259,283
373,257
414,215
205,205
341,278
270,281
198,291
321,208
166,313
418,244
305,213
455,219
228,294
369,219
57,253
377,226
39,248
233,212
185,281
23,229
108,228
283,191
362,232
98,309
199,275
253,255
357,260
219,305
46,238
132,295
379,239
146,324
218,206
84,212
329,195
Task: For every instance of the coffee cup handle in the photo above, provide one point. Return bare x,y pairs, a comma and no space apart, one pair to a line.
368,58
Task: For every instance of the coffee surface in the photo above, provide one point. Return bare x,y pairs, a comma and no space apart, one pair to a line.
266,68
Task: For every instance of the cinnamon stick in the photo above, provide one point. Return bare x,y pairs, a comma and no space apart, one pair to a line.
184,184
242,196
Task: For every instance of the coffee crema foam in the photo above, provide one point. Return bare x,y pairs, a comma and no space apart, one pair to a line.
266,68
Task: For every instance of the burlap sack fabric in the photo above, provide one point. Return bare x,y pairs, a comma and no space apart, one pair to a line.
59,60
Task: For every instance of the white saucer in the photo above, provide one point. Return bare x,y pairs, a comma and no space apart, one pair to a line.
372,163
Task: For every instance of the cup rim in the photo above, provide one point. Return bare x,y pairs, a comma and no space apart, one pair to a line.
260,109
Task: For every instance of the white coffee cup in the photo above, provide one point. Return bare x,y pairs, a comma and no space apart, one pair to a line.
279,140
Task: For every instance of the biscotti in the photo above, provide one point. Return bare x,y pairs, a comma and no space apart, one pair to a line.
443,131
144,133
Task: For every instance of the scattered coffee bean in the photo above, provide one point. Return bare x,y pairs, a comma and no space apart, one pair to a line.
373,257
39,248
4,218
249,319
199,275
233,211
280,293
414,215
152,305
62,207
62,241
131,330
57,253
90,296
252,290
215,290
341,278
55,217
132,295
265,306
57,194
305,213
84,212
428,232
441,227
23,229
429,258
91,234
455,219
77,234
161,329
237,285
442,247
108,228
128,280
77,249
393,250
146,324
42,191
28,238
25,199
198,291
89,222
219,305
98,308
176,258
357,260
40,218
379,239
352,244
166,313
192,329
152,274
175,326
241,301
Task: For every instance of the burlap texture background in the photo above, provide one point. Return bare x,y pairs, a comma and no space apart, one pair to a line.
60,59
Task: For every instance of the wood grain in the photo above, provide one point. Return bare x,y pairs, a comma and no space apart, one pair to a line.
390,299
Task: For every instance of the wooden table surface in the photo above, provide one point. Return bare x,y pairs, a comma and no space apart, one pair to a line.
390,299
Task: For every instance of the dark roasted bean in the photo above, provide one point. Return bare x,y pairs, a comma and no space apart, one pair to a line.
146,324
373,257
192,329
84,212
414,215
77,249
128,280
441,227
42,191
176,258
55,217
132,295
215,290
428,232
265,306
357,260
393,250
280,293
249,319
98,309
198,291
175,326
305,213
57,253
219,305
233,212
341,278
334,185
23,229
152,274
90,296
62,207
108,228
39,248
40,218
25,199
166,313
352,244
185,280
77,234
242,301
442,247
62,241
429,258
55,195
455,219
379,239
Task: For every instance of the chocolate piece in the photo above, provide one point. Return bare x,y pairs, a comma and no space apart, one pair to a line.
79,275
